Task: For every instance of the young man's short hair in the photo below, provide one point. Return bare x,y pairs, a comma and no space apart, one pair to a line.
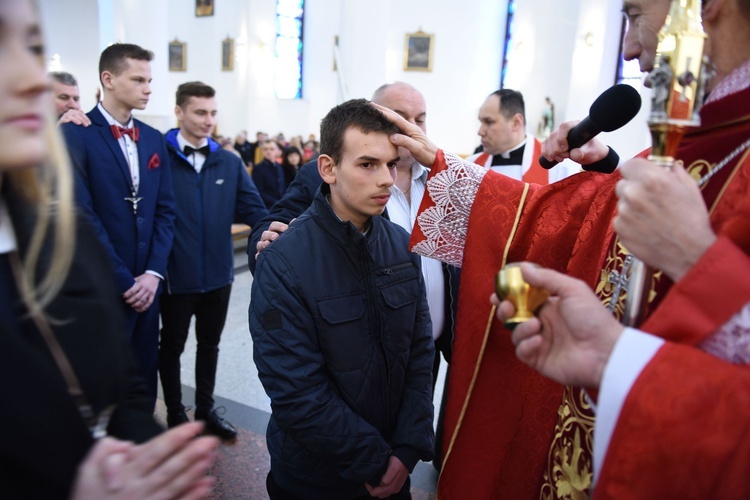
113,58
192,89
357,113
511,102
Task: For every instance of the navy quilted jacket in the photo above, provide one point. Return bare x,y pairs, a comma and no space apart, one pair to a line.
343,346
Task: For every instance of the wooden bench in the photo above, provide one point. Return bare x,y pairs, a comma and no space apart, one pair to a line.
240,231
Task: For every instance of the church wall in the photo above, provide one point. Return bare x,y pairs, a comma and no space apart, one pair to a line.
66,35
568,51
549,57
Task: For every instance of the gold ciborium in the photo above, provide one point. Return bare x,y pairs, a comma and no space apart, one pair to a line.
510,285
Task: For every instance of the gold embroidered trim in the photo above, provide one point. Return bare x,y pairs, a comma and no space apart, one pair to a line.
515,223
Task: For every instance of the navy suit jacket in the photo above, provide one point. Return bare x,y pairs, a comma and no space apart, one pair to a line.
134,242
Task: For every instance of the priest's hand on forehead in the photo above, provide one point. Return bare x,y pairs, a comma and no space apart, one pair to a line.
411,138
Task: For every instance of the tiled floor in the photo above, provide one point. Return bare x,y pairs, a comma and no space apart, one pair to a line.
242,466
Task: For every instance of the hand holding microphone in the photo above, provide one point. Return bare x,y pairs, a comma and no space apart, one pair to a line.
611,110
556,147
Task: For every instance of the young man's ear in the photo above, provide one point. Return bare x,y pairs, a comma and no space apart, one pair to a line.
106,79
178,112
326,170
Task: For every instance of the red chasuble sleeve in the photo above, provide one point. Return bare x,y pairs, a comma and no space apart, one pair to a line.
683,431
715,288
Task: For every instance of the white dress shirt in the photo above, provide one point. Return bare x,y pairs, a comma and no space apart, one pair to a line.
404,213
128,146
197,159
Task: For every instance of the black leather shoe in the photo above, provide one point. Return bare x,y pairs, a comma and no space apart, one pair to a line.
176,418
218,426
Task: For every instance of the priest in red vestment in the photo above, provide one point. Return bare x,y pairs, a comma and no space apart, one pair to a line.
509,432
654,437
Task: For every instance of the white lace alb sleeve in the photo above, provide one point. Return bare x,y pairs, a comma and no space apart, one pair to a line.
732,341
445,224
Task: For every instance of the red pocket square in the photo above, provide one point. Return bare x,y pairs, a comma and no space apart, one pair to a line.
154,161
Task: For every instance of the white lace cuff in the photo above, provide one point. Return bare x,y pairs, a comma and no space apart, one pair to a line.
445,224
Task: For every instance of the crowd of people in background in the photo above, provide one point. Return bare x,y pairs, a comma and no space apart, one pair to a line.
295,152
308,150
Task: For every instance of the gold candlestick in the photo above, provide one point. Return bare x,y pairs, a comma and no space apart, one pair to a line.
510,285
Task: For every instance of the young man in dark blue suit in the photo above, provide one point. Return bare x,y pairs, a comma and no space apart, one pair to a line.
123,185
211,188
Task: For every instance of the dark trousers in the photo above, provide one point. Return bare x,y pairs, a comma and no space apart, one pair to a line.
210,311
276,493
143,331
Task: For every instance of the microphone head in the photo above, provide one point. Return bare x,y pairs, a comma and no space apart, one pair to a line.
615,107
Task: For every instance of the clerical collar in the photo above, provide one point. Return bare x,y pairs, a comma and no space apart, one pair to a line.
510,158
514,151
110,119
183,142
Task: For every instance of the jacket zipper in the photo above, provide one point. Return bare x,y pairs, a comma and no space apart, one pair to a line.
390,270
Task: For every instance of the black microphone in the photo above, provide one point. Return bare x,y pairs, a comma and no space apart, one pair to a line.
614,108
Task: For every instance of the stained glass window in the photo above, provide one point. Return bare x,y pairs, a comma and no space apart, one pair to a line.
288,54
508,38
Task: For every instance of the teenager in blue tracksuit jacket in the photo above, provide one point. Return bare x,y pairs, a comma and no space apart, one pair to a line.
202,257
200,268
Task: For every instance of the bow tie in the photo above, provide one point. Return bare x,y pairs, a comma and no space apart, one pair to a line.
119,132
203,150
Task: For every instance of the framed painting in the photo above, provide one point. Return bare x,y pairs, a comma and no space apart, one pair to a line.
419,50
227,54
177,56
204,8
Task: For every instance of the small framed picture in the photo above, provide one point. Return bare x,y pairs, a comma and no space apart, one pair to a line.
204,8
418,51
177,56
227,54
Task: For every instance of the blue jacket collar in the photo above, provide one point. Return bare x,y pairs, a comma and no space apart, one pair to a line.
171,138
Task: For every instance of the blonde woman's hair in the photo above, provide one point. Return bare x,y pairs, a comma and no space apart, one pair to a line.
48,189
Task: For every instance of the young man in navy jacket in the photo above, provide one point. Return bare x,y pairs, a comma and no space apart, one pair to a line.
341,332
123,187
211,188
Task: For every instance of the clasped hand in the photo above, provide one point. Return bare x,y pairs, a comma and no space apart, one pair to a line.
141,295
171,465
